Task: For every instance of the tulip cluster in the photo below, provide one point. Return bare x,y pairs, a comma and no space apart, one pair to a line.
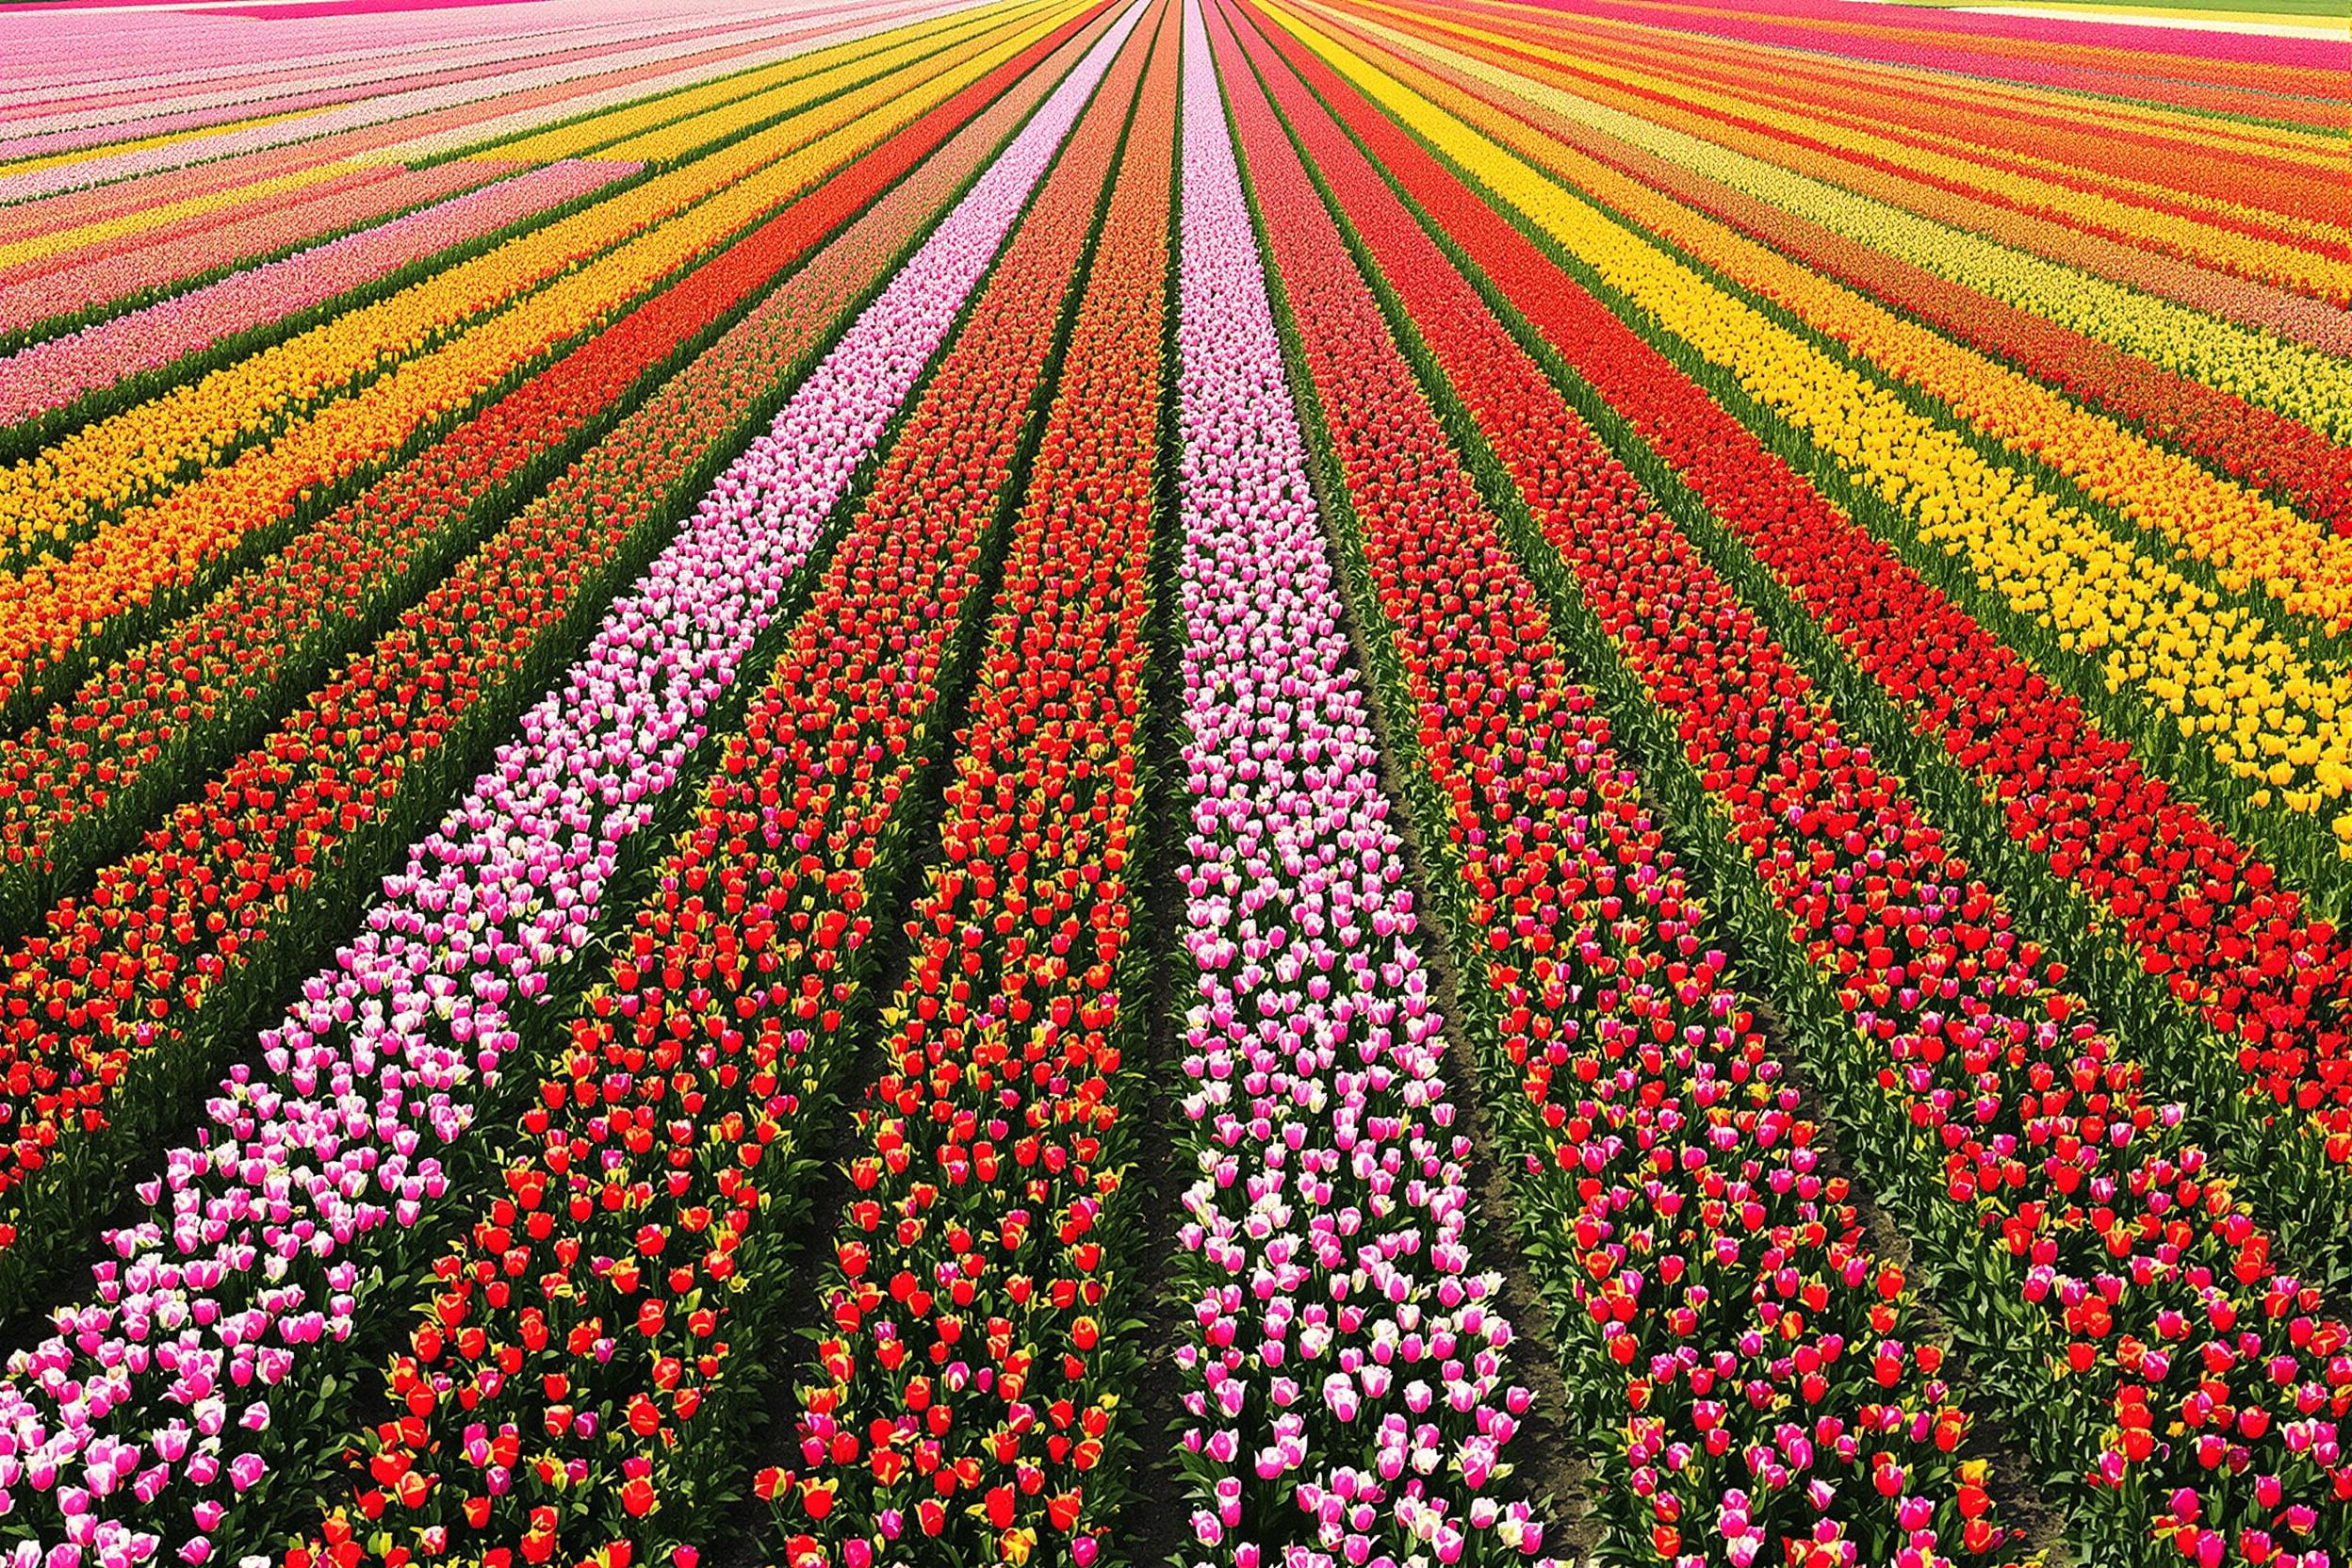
332,1147
932,48
573,1357
230,84
1923,959
2115,1250
103,243
49,230
293,150
84,289
138,730
1336,1317
62,370
2069,58
219,169
1743,609
2287,460
2194,903
51,503
1763,1384
601,261
597,260
588,116
2253,544
711,110
164,958
959,1407
2275,713
2115,151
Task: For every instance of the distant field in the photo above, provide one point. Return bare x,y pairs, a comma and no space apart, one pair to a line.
2323,10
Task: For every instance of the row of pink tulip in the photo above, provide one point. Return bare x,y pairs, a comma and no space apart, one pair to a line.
58,370
1346,1376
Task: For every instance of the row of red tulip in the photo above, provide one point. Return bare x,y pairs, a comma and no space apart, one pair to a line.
960,1405
2104,1252
592,1406
1763,1384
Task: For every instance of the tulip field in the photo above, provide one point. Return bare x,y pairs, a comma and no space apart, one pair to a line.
1229,783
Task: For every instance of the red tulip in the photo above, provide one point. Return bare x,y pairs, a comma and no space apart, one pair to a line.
967,1289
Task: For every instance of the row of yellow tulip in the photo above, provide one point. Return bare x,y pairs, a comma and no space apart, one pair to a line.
2128,205
140,144
664,143
47,610
52,500
37,247
2301,383
2254,544
2270,715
